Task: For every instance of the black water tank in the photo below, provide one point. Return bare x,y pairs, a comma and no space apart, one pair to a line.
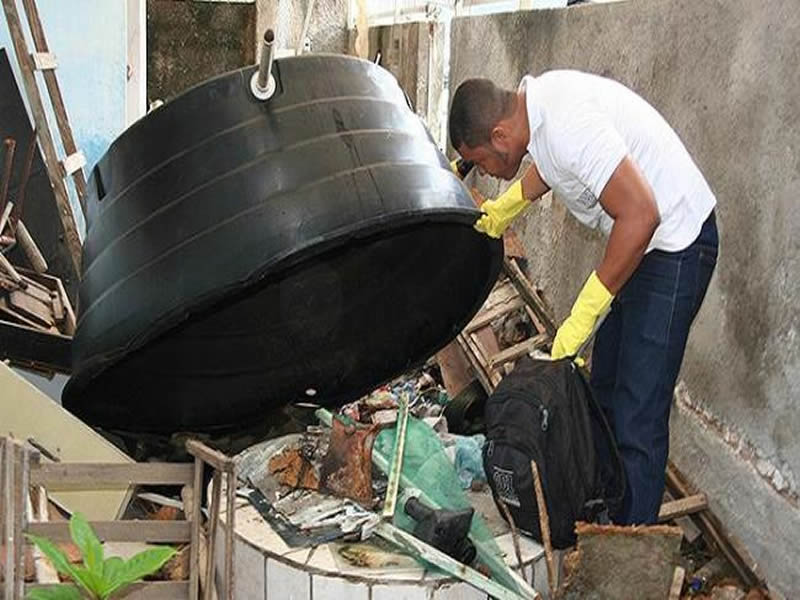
240,253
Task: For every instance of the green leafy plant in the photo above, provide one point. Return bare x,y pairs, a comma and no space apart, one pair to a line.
99,577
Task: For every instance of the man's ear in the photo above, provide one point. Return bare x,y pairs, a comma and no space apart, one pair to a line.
500,137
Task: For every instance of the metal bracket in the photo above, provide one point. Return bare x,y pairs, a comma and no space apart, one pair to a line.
42,61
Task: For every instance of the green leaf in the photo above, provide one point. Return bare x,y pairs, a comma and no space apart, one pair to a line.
112,570
52,552
85,539
139,566
91,581
56,592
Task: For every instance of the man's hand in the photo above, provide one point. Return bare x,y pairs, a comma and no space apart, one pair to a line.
592,303
498,214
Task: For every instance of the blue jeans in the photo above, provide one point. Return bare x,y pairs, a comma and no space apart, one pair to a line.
637,355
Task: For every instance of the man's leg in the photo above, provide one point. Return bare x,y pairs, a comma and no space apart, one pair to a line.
657,308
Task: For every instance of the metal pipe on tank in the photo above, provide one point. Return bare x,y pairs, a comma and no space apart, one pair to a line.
262,84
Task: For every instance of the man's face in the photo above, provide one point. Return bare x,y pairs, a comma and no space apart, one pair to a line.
490,160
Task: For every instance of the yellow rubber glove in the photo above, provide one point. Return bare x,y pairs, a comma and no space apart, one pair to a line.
499,213
592,303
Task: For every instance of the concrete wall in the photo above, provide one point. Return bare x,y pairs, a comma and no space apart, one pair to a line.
327,27
189,42
724,73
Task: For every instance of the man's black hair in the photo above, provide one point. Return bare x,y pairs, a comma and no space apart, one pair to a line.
478,105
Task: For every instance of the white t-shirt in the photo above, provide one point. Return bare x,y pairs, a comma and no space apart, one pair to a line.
583,125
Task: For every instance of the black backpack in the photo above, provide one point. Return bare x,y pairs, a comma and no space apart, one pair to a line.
544,411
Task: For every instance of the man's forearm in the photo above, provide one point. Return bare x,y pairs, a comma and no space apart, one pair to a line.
624,251
533,187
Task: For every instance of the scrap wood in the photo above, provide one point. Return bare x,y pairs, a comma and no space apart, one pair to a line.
622,562
677,584
715,533
681,507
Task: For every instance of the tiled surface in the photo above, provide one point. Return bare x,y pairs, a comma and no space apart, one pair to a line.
295,578
287,583
400,592
335,587
249,573
458,591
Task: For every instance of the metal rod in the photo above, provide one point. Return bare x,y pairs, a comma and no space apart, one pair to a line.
267,56
544,529
262,84
11,146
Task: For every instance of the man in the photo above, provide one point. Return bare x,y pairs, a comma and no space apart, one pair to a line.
620,168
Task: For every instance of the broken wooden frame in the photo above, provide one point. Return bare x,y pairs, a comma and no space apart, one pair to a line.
21,468
36,321
516,292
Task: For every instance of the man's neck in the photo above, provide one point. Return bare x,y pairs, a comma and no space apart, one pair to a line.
521,117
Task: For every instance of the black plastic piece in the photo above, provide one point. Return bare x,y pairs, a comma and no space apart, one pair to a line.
445,530
241,254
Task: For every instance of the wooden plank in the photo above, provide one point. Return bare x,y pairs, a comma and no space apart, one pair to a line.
32,308
517,350
474,360
59,110
502,292
8,517
45,571
484,318
213,523
230,527
677,584
9,268
70,321
477,342
213,457
43,61
26,67
196,493
120,531
151,590
101,476
715,533
21,470
683,506
32,348
530,295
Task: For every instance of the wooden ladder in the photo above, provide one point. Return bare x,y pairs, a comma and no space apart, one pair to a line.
512,292
58,171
